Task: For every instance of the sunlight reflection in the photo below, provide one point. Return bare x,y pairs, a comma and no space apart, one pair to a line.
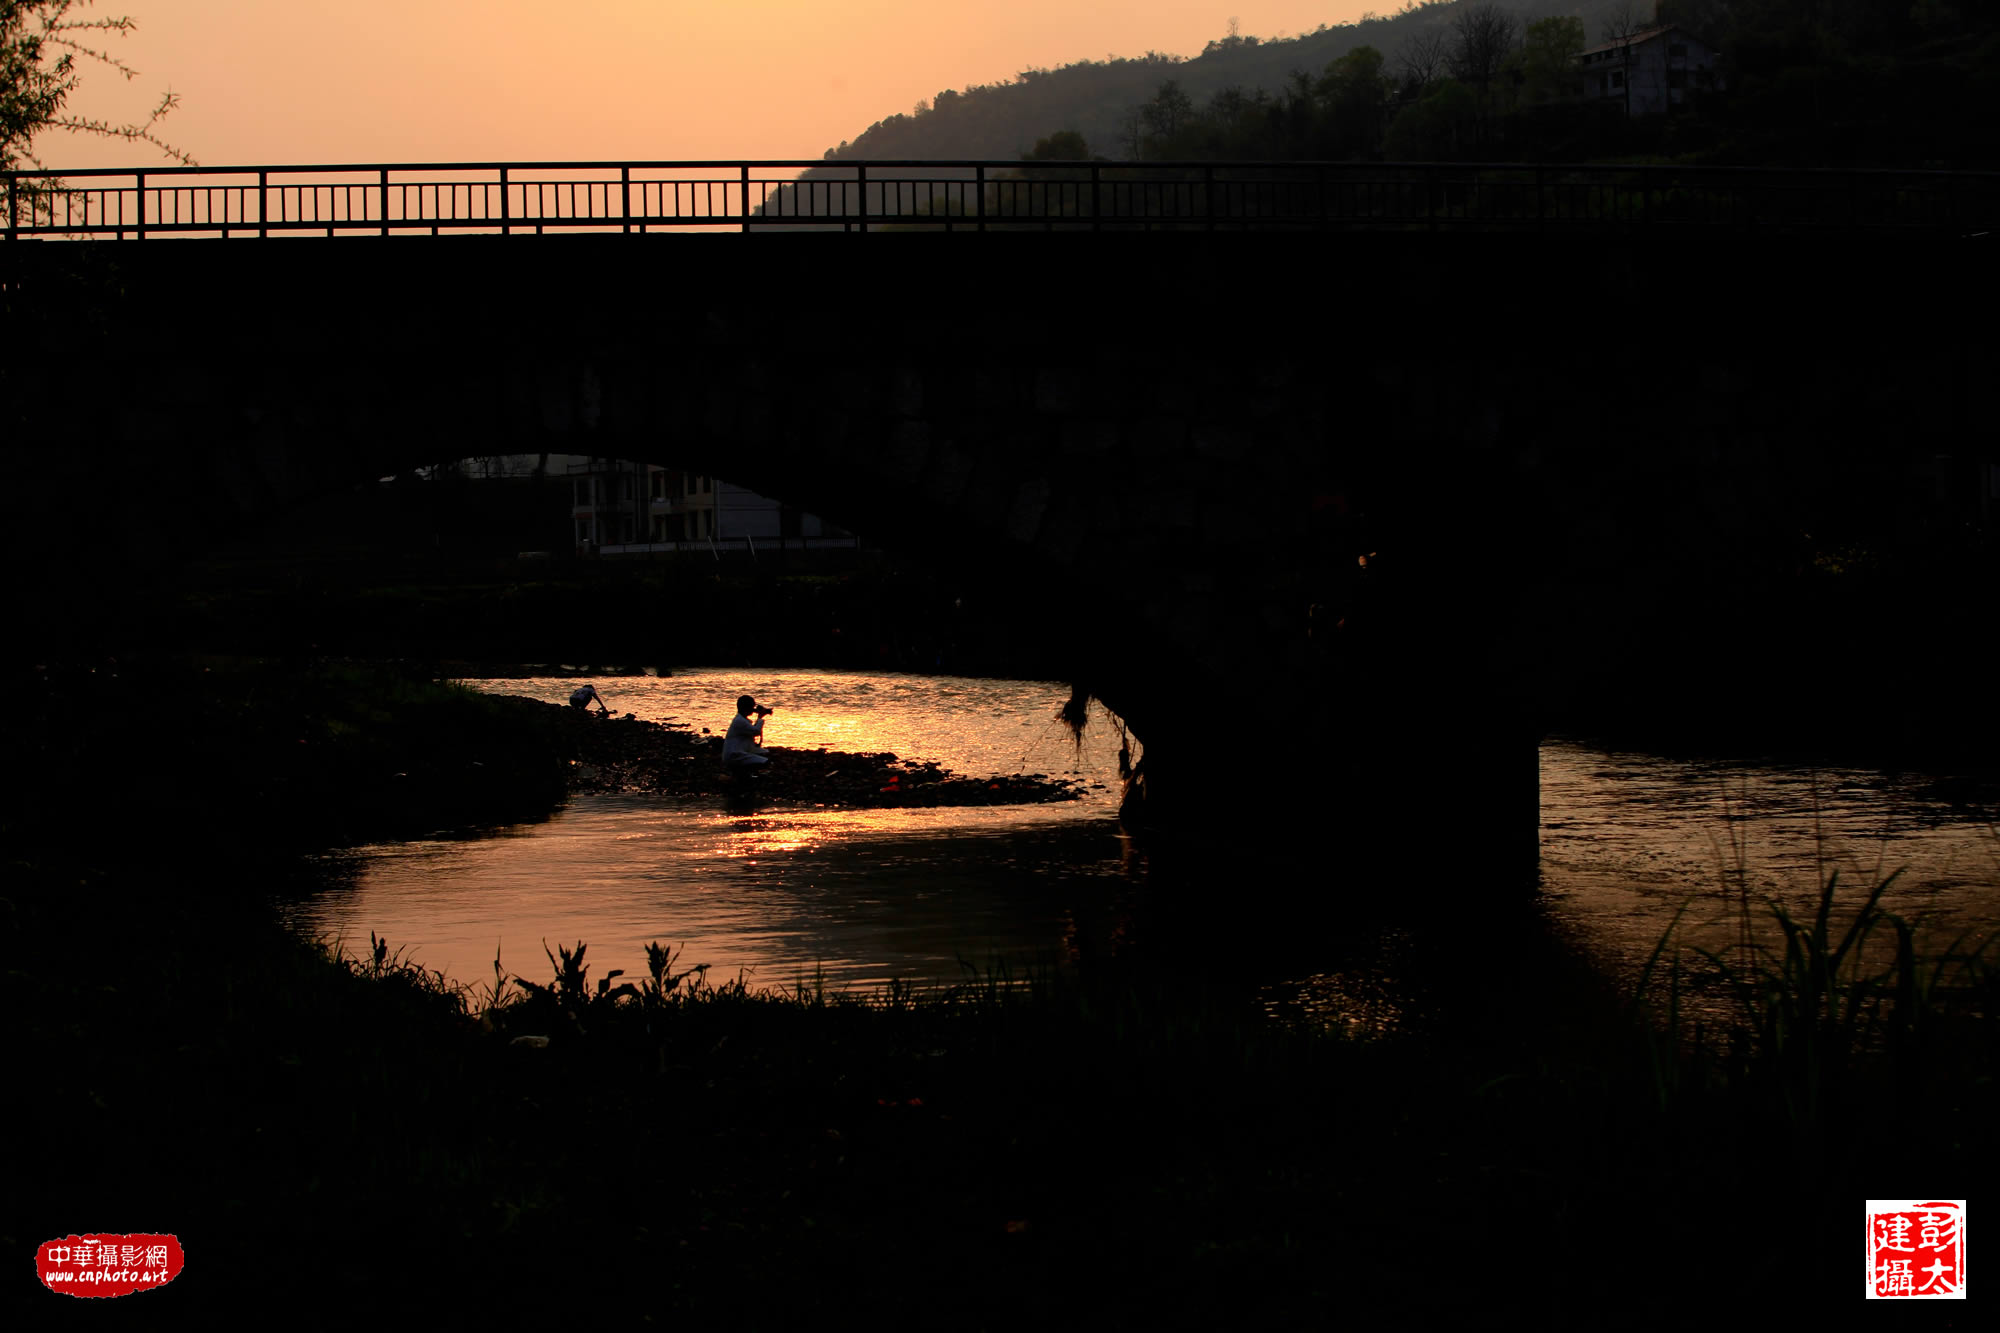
866,894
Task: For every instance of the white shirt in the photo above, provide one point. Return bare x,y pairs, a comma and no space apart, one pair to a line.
742,739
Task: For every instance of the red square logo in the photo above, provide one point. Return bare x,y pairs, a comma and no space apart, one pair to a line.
1916,1249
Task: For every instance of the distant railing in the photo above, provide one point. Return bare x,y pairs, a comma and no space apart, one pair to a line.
718,547
642,197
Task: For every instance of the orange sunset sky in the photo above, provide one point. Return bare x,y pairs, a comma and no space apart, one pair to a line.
307,81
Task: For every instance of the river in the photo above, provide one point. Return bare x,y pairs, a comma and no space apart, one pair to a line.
856,898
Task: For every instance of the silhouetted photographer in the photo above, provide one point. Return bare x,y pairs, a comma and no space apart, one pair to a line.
742,749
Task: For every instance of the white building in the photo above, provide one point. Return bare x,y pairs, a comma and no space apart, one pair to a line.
618,507
1652,71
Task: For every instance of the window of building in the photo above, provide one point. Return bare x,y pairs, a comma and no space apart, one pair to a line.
583,490
1677,78
1617,78
583,532
658,482
1678,51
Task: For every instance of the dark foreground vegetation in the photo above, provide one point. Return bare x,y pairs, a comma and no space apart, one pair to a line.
335,1134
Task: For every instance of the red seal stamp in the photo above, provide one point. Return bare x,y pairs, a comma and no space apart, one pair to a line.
102,1264
1916,1249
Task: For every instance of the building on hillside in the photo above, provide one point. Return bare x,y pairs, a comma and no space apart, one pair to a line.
619,507
608,500
1651,72
624,508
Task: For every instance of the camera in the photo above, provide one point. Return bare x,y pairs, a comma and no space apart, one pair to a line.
762,711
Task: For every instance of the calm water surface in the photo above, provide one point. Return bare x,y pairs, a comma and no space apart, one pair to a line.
863,896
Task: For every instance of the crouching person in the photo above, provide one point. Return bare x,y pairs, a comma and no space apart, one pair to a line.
742,748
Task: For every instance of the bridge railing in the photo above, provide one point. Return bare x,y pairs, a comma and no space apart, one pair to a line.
644,197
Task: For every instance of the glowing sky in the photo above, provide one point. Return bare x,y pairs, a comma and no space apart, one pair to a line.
304,81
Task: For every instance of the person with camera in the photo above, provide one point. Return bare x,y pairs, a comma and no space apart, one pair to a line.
742,748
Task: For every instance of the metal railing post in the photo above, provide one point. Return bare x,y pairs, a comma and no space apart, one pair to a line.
13,207
1096,203
139,193
625,197
1208,195
263,203
861,184
979,179
745,179
385,201
505,229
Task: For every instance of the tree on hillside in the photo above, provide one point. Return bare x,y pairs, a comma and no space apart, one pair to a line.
1353,94
1436,127
1168,113
1423,60
1483,35
1547,61
1062,146
40,45
1132,134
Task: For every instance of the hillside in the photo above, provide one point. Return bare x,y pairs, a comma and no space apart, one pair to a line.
1809,83
1095,98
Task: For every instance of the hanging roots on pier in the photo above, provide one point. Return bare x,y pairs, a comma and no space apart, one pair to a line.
1075,713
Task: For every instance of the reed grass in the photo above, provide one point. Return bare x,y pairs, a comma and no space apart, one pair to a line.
1846,996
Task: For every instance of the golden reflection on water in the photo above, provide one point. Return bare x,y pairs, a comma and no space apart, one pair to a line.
865,895
750,837
776,898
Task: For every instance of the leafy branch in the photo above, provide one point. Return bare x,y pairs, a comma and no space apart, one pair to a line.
41,42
